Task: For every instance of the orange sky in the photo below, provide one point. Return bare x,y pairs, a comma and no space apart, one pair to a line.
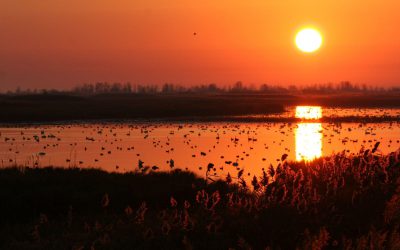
61,43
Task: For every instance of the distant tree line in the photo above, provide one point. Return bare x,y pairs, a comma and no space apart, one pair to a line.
238,87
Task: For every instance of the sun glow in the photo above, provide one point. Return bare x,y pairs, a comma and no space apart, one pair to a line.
308,40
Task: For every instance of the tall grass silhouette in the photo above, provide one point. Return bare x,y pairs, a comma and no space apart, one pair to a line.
346,201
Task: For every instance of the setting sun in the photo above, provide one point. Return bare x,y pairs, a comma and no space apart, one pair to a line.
308,40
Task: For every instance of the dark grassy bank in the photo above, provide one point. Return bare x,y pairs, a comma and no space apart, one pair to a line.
255,119
50,107
53,108
342,202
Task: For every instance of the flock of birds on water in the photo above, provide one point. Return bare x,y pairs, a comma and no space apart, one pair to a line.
213,148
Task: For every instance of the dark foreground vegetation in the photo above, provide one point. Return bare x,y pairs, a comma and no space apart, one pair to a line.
341,202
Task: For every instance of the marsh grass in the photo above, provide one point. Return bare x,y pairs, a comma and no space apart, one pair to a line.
340,202
184,106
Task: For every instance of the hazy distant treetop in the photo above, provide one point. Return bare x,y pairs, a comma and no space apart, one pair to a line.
238,87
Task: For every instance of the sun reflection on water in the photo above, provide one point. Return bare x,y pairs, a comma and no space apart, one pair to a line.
308,112
308,135
308,141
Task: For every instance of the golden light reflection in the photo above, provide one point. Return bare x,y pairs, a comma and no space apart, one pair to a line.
308,141
308,135
308,112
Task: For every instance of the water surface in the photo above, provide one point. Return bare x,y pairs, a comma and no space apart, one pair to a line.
229,146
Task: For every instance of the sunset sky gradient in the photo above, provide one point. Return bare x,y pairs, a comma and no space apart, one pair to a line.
60,43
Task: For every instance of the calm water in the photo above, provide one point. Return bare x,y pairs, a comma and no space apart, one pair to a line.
229,146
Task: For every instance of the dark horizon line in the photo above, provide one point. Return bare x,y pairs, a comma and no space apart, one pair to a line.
238,87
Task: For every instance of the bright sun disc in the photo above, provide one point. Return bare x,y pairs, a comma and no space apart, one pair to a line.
308,40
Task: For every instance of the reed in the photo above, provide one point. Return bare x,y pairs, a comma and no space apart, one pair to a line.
346,201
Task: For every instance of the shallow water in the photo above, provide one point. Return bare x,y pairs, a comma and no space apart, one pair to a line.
339,112
229,146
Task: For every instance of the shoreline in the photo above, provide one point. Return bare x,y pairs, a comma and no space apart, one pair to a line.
61,108
217,119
